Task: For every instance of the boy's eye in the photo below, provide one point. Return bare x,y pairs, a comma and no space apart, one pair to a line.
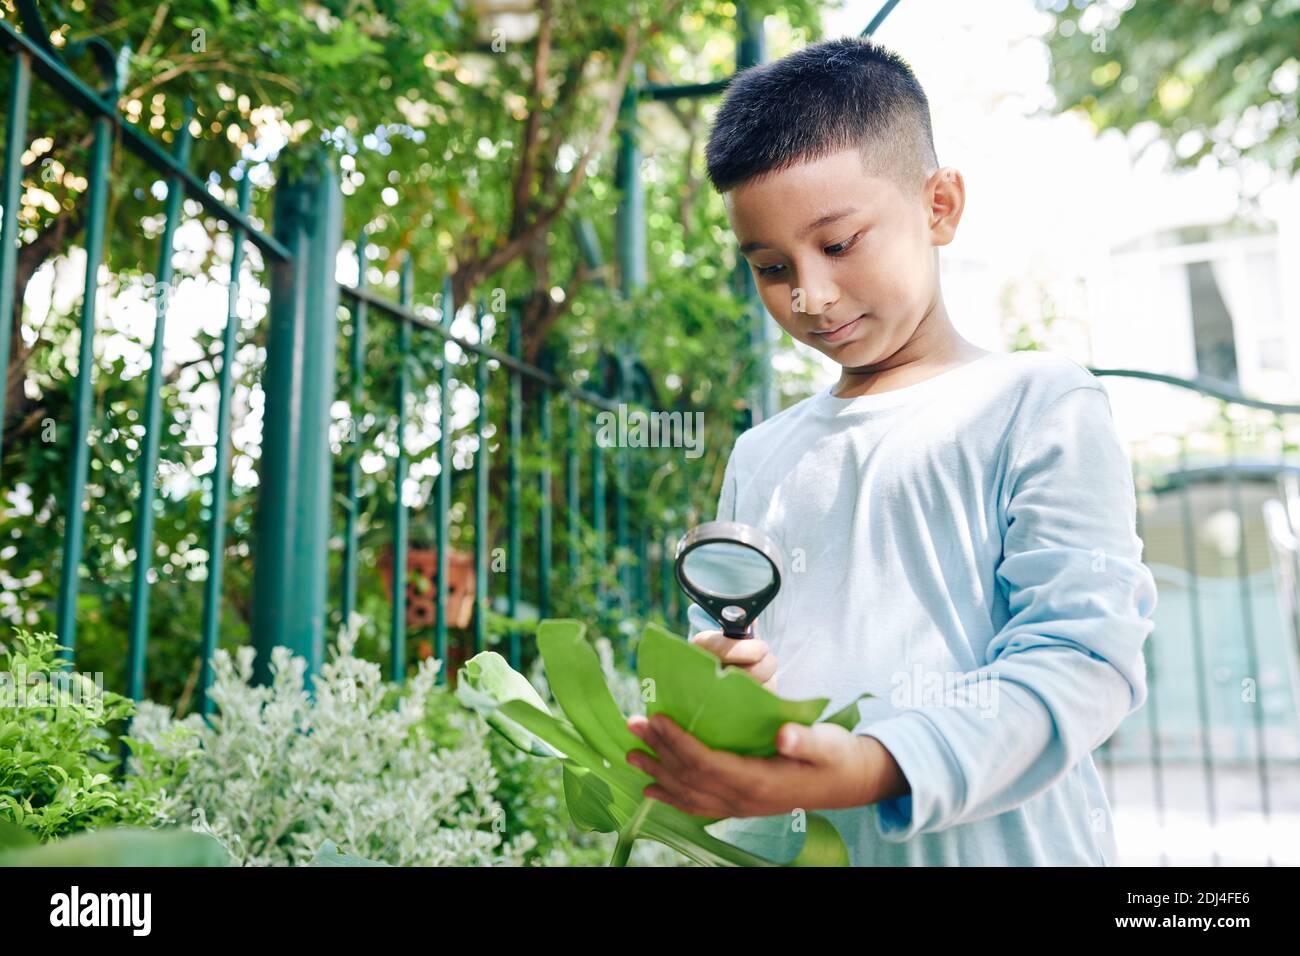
839,248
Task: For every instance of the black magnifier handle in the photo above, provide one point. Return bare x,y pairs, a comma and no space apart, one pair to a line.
740,629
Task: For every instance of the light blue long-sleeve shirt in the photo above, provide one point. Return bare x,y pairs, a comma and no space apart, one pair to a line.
964,549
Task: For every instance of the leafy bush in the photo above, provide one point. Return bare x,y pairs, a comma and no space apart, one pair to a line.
56,771
278,772
276,777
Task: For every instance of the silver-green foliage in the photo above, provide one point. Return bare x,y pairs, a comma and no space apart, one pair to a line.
280,772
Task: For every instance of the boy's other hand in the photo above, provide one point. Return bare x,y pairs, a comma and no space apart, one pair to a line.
750,654
822,767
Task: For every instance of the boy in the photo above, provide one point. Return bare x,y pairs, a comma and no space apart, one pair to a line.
957,525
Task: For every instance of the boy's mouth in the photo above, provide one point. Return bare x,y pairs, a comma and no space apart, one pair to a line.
840,332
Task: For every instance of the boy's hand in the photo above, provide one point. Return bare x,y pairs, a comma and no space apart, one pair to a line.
822,767
749,654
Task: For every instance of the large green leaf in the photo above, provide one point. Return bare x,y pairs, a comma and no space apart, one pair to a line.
725,708
485,682
123,847
588,798
631,814
578,683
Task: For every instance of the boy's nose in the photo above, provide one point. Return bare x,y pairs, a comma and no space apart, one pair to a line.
819,294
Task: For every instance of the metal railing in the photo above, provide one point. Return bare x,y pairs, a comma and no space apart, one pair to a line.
1221,724
296,470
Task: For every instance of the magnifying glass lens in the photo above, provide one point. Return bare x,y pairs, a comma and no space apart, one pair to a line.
727,570
731,570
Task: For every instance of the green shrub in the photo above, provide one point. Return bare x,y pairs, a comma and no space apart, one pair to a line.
279,772
56,764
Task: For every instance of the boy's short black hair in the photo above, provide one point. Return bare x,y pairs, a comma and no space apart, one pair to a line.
826,97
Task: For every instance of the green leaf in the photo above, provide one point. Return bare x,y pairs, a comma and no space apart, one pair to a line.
588,798
724,707
123,847
628,779
578,683
329,855
485,682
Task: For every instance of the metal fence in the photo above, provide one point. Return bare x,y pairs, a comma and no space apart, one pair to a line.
1207,770
297,472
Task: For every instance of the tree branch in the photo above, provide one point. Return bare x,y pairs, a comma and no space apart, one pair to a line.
510,250
533,125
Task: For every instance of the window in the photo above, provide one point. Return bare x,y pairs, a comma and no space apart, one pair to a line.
1216,352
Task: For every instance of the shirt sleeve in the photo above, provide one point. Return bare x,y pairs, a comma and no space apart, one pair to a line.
698,618
1067,667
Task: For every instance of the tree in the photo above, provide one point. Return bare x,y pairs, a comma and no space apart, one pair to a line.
1217,77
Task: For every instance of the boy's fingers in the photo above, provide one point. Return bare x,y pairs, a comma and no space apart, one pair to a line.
686,754
764,670
686,801
732,651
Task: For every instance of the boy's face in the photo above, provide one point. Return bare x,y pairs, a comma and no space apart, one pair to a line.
870,272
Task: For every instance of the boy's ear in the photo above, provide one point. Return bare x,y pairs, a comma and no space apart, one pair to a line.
945,198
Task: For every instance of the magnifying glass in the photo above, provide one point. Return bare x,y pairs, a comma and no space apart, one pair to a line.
730,569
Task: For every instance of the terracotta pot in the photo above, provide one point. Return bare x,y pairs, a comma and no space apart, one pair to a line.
422,586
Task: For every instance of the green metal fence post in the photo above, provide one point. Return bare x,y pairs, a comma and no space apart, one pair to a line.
512,501
482,583
643,579
79,453
401,531
598,521
572,482
20,83
751,50
356,365
220,471
292,522
622,551
544,520
138,635
443,537
666,582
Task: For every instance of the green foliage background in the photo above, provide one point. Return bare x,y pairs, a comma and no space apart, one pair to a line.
428,127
